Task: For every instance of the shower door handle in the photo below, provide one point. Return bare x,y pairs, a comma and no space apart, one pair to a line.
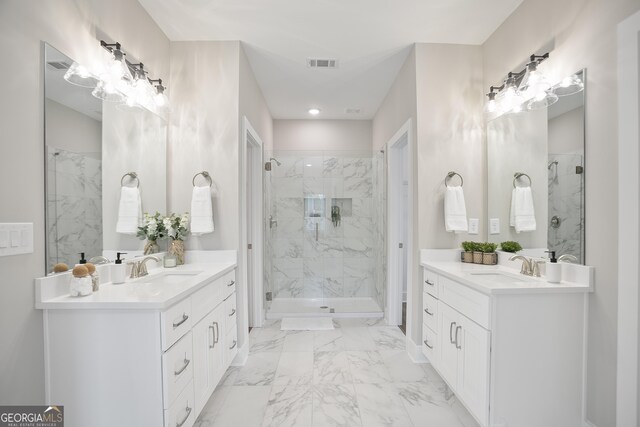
316,231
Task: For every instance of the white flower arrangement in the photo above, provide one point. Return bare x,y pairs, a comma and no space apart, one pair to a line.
153,227
177,226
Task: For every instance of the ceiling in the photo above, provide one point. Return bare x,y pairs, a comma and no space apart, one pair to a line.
370,39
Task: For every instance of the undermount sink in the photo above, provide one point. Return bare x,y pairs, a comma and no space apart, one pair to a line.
498,276
168,278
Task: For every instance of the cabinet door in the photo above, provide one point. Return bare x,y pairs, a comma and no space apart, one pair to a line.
448,320
473,368
203,374
217,362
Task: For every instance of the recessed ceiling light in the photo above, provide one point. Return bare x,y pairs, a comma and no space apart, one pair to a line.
314,111
308,165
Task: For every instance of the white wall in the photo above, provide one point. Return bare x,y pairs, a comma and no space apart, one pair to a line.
69,130
584,33
317,135
70,27
566,132
253,105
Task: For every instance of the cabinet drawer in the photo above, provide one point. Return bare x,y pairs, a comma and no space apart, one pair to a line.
230,312
430,311
431,283
177,368
430,345
206,299
473,304
181,413
229,283
176,322
231,346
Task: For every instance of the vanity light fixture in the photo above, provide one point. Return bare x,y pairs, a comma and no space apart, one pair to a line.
569,86
160,98
80,75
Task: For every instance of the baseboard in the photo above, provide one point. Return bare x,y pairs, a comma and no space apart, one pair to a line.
242,356
587,423
415,352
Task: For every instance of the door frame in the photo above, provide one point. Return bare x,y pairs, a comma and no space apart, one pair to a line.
252,160
628,220
395,145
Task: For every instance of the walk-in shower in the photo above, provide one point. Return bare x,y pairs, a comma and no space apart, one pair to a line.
324,233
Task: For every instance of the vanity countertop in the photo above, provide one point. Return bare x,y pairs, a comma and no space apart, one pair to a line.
506,280
134,293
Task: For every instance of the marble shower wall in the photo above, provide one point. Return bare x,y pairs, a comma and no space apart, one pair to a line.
312,258
380,226
566,202
74,205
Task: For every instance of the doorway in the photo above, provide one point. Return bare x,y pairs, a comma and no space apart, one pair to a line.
251,245
400,242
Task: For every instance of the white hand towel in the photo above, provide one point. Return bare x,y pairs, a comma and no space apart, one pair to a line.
524,214
129,211
512,212
201,211
455,210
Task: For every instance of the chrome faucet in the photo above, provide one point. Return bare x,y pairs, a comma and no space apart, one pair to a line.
99,259
139,268
568,258
527,265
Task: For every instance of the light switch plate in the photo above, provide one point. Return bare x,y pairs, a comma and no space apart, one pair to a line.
474,224
494,226
16,238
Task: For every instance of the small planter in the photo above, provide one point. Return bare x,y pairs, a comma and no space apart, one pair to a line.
466,256
151,247
477,257
177,249
490,258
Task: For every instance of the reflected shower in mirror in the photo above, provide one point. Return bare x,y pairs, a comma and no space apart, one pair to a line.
548,145
89,146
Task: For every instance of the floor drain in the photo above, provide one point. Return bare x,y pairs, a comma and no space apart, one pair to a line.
324,306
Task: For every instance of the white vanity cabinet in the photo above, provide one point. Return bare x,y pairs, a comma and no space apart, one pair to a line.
154,367
513,357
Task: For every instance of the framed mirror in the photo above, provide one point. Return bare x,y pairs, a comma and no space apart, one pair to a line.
90,146
544,150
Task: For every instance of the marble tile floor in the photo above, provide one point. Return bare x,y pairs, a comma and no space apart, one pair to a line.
355,375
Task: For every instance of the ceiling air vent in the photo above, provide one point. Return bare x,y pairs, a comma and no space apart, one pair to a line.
353,110
322,63
59,65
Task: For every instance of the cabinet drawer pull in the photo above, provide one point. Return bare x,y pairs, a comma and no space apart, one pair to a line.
426,310
186,417
231,283
232,312
216,335
457,329
451,332
213,335
181,370
427,344
235,343
184,319
429,283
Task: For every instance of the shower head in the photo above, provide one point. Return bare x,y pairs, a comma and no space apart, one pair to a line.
555,162
275,160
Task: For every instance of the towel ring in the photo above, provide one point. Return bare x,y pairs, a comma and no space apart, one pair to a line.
133,176
518,175
451,175
204,174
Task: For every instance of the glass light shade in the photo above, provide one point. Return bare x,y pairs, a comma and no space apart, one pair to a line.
161,101
141,93
108,92
534,83
542,100
80,75
569,85
511,101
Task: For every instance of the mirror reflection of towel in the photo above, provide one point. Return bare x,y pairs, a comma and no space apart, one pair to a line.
455,210
522,217
129,211
201,211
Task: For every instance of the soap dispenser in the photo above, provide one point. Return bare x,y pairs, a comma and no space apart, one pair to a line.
554,270
82,260
119,270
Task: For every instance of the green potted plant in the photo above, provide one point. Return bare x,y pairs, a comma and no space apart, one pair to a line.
489,255
510,246
177,229
153,229
467,254
477,252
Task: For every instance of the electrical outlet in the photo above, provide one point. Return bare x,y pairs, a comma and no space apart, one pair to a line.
474,224
494,226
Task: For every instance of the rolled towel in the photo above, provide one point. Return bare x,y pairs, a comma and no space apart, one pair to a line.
455,210
523,211
201,211
129,211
